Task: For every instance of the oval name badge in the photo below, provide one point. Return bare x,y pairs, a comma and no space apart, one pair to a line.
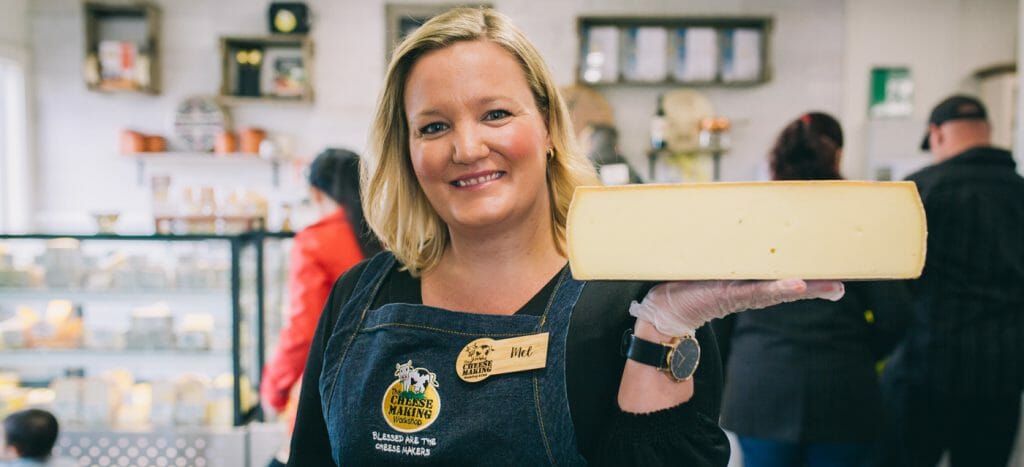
484,357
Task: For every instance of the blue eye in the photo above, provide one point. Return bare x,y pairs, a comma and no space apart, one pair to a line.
497,114
432,128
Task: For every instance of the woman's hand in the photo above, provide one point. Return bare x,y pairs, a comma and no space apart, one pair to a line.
679,308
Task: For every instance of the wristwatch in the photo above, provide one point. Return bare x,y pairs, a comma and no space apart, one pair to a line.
678,357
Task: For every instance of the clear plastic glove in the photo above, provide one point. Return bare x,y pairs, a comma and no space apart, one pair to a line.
679,308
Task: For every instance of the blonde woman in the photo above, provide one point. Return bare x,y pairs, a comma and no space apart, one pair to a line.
469,342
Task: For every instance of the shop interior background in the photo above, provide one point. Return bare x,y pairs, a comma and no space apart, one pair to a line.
59,149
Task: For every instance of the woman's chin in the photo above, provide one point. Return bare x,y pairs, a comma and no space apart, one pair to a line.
477,221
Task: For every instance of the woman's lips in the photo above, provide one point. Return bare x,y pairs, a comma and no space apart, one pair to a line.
477,179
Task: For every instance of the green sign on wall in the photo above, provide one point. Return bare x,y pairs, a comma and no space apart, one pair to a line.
892,92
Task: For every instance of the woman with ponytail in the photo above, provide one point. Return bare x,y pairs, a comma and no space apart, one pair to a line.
809,148
320,254
801,387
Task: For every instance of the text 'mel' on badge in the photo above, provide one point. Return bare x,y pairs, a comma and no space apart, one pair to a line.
485,357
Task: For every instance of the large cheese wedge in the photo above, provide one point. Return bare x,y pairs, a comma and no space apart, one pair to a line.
759,230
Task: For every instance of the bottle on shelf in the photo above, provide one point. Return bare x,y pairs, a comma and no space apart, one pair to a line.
161,204
286,215
658,127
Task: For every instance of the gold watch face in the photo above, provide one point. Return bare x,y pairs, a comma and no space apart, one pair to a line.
683,360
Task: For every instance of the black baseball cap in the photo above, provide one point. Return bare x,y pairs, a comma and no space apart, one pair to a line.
958,107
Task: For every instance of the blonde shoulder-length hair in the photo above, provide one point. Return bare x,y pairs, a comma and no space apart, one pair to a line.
396,208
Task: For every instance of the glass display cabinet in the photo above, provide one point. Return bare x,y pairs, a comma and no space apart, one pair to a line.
153,339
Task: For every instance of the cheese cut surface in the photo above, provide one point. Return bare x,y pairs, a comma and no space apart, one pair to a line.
758,230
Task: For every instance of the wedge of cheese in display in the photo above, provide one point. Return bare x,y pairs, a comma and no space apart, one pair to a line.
759,230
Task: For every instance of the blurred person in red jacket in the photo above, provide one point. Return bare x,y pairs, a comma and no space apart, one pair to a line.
320,254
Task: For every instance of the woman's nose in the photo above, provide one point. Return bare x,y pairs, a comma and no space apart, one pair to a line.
469,146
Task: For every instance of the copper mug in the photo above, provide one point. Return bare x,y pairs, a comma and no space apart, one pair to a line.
132,142
226,143
155,143
250,139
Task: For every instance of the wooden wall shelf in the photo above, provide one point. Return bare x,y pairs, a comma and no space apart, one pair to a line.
669,51
122,46
202,160
274,68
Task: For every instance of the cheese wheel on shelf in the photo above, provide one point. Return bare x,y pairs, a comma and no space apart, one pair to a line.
832,229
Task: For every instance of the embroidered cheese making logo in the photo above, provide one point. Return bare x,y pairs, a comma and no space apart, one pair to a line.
412,402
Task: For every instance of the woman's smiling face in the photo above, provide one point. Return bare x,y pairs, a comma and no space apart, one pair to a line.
477,141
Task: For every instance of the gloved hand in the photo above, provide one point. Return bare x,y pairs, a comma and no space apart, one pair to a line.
679,308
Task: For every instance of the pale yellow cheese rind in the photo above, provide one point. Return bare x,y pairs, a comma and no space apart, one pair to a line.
845,230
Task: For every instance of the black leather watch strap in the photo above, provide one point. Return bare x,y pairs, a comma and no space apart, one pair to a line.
644,351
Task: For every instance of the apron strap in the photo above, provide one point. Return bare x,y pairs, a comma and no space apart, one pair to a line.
553,414
350,320
558,311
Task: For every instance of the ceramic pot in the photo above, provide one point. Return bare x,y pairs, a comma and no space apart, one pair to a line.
132,142
226,143
156,143
250,139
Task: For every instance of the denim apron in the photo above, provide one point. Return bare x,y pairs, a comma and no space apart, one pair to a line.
390,392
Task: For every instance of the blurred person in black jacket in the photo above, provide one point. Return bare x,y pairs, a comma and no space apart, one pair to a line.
801,386
954,384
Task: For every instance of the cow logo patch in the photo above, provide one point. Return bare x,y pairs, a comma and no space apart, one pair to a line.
412,402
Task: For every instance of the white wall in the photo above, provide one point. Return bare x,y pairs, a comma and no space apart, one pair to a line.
15,166
942,42
13,24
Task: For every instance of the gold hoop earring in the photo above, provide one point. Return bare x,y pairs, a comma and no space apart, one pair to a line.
551,154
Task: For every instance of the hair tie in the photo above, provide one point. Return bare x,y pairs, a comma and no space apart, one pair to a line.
806,119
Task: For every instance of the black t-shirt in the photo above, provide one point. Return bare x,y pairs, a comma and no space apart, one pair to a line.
687,434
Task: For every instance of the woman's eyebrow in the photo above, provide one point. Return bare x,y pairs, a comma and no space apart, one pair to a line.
479,101
485,100
430,112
